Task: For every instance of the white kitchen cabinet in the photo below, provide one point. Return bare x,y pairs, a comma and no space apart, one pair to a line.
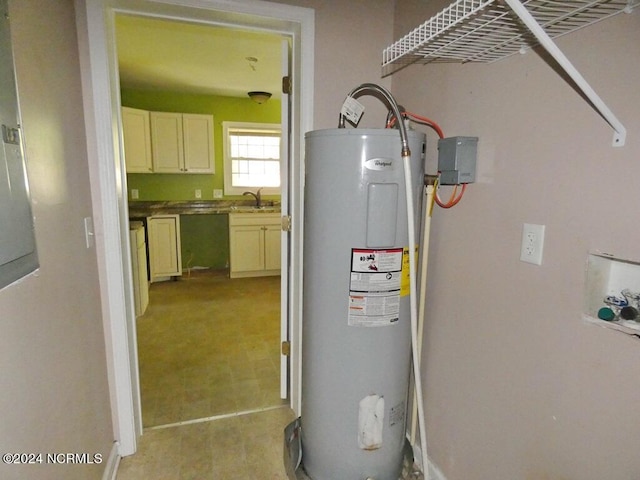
167,142
182,142
139,267
272,235
254,244
165,257
136,133
197,132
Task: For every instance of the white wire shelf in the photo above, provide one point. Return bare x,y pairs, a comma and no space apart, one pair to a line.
489,30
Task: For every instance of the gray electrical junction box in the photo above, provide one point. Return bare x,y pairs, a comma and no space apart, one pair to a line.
457,160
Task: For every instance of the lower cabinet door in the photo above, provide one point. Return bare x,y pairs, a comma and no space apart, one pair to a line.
254,244
165,257
272,247
246,249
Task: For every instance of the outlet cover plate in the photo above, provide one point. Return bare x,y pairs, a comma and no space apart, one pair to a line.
532,243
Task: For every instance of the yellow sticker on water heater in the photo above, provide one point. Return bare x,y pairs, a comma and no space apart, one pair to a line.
405,284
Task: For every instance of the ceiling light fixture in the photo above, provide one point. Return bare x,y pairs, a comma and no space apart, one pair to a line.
259,97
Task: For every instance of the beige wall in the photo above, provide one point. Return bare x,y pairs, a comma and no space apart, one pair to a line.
349,38
518,386
53,385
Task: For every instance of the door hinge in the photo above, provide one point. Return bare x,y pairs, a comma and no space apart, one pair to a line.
286,85
286,223
286,348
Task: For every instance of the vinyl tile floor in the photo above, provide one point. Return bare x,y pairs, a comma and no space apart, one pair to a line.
208,350
209,345
237,447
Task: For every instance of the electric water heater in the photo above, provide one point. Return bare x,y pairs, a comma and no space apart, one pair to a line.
356,339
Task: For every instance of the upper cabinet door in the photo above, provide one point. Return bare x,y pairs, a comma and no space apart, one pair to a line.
167,142
182,142
137,140
198,143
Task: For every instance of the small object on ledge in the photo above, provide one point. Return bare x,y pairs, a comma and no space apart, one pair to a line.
616,301
631,296
629,313
606,314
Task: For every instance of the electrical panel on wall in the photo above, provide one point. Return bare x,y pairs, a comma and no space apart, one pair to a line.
18,255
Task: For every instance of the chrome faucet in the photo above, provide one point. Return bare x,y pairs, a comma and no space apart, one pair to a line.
256,196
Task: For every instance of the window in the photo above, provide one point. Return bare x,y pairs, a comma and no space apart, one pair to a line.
251,157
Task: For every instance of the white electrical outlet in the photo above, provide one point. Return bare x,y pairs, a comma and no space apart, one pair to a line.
217,193
134,194
532,243
198,193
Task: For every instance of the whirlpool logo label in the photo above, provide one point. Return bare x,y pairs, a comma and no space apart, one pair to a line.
379,164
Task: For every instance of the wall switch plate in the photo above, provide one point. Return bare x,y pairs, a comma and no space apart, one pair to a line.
217,193
134,194
532,243
88,231
198,193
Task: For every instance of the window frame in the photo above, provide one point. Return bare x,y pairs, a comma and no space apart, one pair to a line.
228,127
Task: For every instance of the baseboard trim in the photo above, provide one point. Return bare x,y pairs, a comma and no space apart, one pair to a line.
434,472
111,465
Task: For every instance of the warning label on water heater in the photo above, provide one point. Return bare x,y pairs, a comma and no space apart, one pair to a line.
374,287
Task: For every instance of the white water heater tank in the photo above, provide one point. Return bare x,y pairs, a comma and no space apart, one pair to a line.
356,346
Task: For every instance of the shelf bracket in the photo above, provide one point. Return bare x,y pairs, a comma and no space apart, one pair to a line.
620,132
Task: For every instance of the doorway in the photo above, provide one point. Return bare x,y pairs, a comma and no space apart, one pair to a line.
208,345
95,30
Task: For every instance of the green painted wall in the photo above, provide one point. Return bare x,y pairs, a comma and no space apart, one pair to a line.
205,241
204,238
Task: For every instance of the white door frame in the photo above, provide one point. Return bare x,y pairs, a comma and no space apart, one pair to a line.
285,154
100,85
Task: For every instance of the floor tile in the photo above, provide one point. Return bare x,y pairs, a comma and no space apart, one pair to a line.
242,446
209,345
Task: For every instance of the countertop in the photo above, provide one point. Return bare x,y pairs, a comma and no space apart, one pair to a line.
139,209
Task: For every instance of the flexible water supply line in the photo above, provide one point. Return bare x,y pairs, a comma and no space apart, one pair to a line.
414,317
424,261
406,157
366,87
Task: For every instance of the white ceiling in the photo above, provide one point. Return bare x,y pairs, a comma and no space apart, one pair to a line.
156,54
